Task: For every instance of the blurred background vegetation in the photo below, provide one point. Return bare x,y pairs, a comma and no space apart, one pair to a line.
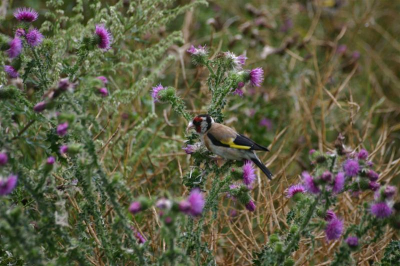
330,67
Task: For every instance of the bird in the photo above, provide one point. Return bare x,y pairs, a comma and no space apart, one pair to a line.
226,142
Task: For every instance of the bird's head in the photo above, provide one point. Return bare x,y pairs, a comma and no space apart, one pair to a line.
201,123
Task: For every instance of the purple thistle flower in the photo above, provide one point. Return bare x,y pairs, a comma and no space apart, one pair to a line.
311,151
249,175
103,79
238,92
51,160
104,37
135,207
140,238
374,186
257,76
309,183
8,185
15,47
62,129
189,149
338,184
103,92
352,241
294,189
184,206
155,91
351,167
265,122
334,229
39,107
381,210
363,154
64,84
200,50
242,59
251,206
370,164
196,201
372,175
326,176
164,204
3,158
11,71
63,149
26,14
20,32
330,215
34,37
389,192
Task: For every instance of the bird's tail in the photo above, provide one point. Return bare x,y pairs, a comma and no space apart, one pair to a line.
263,168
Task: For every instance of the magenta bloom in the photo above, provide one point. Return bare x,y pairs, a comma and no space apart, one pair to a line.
184,206
326,176
20,32
251,206
63,149
334,229
3,158
309,184
330,215
104,37
140,238
381,210
338,183
200,50
293,190
238,91
135,207
196,201
249,175
351,167
374,186
363,155
164,204
311,151
155,91
26,14
341,49
39,107
189,149
51,160
62,129
257,76
15,47
8,185
242,59
11,71
352,241
34,37
372,175
103,79
103,92
265,122
389,192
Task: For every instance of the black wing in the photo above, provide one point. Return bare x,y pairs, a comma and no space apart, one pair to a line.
245,141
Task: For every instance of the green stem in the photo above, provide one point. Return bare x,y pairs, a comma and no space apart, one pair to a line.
296,237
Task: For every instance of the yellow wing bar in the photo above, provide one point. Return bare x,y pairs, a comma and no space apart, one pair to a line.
233,145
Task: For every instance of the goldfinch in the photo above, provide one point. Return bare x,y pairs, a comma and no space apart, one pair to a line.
226,142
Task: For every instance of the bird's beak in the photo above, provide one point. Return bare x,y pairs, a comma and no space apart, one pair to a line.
189,127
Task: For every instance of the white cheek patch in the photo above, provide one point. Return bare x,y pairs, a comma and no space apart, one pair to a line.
204,126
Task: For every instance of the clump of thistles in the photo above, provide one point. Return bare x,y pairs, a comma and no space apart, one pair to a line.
103,37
